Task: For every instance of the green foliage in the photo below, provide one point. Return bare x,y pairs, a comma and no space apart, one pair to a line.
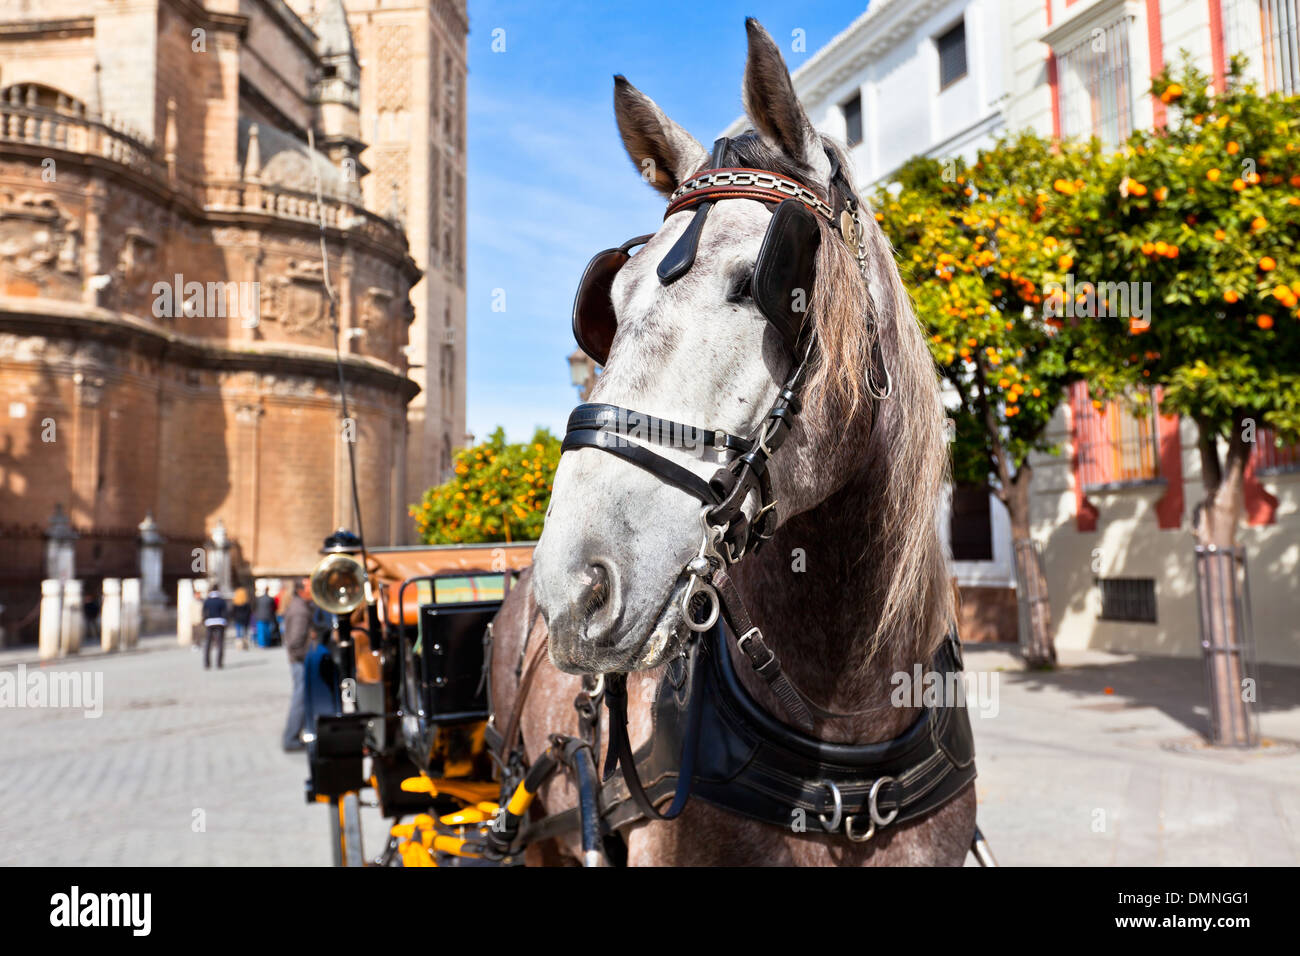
1207,210
499,493
976,245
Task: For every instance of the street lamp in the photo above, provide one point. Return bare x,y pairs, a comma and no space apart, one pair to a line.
582,371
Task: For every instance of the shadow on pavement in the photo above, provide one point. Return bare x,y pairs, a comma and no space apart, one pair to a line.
1175,686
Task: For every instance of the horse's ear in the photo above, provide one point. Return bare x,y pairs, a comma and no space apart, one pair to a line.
665,154
774,109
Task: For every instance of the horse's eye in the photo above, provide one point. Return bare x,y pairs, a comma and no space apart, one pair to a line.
741,288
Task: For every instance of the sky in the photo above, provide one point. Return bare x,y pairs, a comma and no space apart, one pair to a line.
549,183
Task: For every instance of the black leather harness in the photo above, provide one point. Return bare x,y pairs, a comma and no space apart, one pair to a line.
712,741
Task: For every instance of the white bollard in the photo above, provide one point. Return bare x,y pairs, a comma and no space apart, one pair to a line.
130,612
110,616
185,612
51,640
74,617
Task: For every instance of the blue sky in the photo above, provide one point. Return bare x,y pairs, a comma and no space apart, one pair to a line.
549,182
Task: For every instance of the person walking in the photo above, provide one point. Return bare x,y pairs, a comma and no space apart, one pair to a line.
241,613
214,619
297,636
263,616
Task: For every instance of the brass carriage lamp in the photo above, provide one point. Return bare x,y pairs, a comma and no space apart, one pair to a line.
339,583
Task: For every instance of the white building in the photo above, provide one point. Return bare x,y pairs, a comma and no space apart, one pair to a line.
1112,513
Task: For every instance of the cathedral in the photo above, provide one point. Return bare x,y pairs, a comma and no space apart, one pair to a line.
193,196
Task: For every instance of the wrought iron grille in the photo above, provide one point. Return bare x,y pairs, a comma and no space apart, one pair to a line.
1267,32
1128,599
1096,85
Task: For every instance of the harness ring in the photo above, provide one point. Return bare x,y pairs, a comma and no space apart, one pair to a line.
876,818
858,837
837,812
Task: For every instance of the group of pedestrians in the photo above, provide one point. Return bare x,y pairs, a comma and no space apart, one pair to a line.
256,619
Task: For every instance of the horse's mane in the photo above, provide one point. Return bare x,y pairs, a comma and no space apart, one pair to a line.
904,462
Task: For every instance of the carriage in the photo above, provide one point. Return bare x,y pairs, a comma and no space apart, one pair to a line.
402,722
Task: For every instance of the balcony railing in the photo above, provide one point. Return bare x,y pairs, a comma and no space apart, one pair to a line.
69,129
75,131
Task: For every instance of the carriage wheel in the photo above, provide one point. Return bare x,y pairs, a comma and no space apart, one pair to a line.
345,830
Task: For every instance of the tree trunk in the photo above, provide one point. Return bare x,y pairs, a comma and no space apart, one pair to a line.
1220,597
1031,582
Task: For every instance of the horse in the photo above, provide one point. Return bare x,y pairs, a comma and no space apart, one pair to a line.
853,584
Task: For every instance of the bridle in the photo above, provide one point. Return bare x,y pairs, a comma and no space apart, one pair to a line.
784,269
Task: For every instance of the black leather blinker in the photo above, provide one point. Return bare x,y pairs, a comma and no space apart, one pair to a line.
786,268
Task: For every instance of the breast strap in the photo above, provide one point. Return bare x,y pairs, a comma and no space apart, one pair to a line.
748,762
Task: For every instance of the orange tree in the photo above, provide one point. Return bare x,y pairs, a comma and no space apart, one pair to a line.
1207,211
984,249
499,493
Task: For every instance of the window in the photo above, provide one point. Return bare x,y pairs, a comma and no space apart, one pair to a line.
952,55
1095,92
1270,458
970,528
852,110
1128,599
1267,32
1113,444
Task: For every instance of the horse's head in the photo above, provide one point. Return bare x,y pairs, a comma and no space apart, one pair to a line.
697,342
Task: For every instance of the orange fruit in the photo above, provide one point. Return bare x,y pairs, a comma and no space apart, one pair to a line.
1172,252
1265,322
1220,235
1162,248
1259,222
1230,297
1233,148
1238,185
1136,189
1162,193
1065,262
1148,248
1267,264
1213,175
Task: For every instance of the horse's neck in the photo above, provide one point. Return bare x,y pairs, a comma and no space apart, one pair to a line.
813,591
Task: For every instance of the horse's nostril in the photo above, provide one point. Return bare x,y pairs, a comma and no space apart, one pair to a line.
597,589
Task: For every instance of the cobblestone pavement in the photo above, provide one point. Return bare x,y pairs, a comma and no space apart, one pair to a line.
175,745
1068,773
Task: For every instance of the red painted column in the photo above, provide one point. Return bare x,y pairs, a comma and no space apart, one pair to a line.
1169,509
1085,512
1261,507
1156,52
1218,53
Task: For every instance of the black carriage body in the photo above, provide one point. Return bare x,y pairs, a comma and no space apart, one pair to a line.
450,651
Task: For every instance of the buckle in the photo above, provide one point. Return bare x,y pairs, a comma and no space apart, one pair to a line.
771,656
